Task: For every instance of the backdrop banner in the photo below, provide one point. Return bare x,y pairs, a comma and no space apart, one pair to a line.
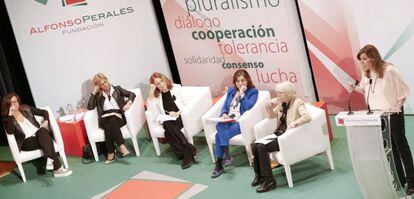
212,39
63,43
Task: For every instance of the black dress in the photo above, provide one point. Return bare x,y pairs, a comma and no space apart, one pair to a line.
173,134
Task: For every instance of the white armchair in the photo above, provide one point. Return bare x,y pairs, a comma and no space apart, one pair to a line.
135,121
299,143
246,121
25,156
198,101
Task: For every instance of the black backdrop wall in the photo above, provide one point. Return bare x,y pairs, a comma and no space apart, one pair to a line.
12,75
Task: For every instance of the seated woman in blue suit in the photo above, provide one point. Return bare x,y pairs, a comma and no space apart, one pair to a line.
239,99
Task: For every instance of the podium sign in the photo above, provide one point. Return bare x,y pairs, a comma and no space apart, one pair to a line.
370,148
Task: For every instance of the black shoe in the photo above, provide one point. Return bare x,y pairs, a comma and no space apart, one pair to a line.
257,181
217,172
267,186
187,162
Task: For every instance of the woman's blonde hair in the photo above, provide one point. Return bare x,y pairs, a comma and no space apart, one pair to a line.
164,78
98,78
288,88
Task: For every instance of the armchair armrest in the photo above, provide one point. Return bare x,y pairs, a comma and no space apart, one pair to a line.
305,140
135,115
55,127
214,111
264,128
252,117
193,111
151,116
91,122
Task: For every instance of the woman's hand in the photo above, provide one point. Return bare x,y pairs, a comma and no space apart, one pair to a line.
292,125
151,91
273,103
96,89
45,125
174,114
350,85
242,89
394,110
224,116
12,110
127,105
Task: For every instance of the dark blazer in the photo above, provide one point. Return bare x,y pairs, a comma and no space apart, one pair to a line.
119,95
246,102
12,127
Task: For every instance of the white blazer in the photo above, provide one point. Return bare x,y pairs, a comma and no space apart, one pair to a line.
156,104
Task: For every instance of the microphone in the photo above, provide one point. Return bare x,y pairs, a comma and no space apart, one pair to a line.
369,90
350,96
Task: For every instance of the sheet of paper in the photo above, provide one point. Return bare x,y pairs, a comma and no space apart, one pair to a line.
218,119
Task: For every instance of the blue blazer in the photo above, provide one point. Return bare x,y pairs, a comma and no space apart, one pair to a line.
246,102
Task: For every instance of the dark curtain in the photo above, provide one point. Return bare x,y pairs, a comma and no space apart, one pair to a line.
12,75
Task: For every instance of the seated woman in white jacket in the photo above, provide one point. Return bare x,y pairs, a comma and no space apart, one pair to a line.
290,112
166,99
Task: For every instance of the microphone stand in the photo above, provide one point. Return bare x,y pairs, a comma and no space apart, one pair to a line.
350,112
369,90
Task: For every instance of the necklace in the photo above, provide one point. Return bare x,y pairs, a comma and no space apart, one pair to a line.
373,87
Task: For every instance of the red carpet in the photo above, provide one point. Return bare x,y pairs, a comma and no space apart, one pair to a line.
149,189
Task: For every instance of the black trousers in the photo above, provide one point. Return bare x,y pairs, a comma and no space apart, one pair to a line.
44,141
401,149
177,140
112,129
261,160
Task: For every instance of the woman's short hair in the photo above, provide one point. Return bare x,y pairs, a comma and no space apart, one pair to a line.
164,79
286,87
98,78
6,103
245,74
373,54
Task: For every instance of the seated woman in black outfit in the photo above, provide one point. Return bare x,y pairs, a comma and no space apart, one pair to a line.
289,112
166,99
111,105
19,120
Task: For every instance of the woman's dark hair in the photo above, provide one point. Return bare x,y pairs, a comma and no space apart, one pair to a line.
5,105
245,74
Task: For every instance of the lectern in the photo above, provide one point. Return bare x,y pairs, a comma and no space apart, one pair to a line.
370,148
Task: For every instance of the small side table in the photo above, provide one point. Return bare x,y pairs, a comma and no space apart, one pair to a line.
74,137
324,106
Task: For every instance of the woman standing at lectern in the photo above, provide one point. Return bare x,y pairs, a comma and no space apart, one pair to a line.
387,92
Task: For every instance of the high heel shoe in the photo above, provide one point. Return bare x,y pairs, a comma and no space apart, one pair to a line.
126,153
109,161
257,181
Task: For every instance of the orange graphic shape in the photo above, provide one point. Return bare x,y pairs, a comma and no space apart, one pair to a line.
149,189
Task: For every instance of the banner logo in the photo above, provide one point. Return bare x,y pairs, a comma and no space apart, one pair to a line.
67,2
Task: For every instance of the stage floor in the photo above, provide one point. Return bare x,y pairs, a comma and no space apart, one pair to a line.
312,178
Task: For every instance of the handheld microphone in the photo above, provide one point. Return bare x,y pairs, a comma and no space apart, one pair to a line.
349,100
369,90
